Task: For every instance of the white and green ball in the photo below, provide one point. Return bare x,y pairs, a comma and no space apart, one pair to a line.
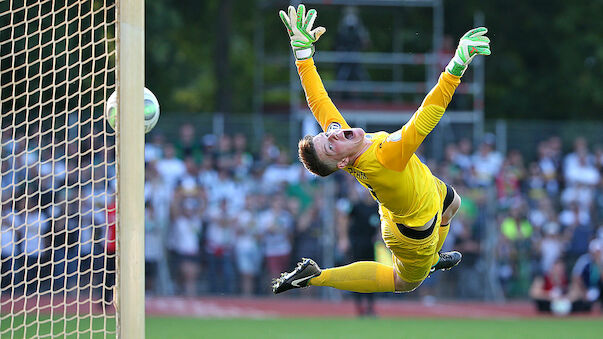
151,110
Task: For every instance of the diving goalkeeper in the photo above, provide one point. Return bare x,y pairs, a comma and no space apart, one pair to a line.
415,206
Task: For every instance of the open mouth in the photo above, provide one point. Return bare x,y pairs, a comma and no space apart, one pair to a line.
348,135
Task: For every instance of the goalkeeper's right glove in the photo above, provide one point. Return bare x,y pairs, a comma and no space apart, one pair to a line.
471,44
299,27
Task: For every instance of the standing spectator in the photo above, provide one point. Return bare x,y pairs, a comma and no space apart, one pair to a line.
153,249
247,245
208,175
486,162
551,245
571,160
463,158
269,151
278,174
308,230
276,226
153,149
577,230
220,242
170,168
548,166
225,188
516,238
188,145
185,239
242,159
351,36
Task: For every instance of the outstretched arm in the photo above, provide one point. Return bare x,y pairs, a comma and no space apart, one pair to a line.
319,102
399,147
299,26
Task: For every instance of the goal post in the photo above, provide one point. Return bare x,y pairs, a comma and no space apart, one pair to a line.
72,188
130,149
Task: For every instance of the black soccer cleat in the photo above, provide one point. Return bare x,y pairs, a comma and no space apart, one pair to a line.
306,269
447,261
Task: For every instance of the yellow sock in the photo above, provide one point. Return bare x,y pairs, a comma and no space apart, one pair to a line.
442,232
361,276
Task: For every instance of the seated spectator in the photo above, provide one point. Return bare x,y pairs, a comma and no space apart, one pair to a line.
587,276
550,291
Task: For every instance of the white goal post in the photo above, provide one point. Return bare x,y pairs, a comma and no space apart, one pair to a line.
72,199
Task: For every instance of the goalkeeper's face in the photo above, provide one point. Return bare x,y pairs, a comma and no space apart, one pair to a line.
339,146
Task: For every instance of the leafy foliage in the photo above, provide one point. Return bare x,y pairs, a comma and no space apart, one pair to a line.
547,56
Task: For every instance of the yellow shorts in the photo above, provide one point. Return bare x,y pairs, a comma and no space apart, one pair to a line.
412,258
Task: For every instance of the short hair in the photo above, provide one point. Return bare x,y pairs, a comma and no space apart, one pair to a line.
309,157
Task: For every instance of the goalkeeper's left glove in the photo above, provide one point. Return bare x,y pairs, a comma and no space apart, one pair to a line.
299,27
471,44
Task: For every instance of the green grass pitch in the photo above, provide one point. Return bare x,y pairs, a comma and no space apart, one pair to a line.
374,328
349,328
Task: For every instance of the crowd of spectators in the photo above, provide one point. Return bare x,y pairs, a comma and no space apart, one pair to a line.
237,219
222,218
57,210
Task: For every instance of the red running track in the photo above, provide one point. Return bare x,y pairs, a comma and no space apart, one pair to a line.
301,307
270,307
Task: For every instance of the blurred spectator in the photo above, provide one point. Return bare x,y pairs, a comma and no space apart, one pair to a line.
351,36
515,251
280,173
153,247
551,245
268,151
550,291
170,168
276,226
508,180
579,160
241,158
247,245
577,230
220,243
486,162
185,238
308,229
548,166
587,275
225,153
153,149
187,145
463,157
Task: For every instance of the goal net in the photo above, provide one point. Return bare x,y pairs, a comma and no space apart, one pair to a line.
58,169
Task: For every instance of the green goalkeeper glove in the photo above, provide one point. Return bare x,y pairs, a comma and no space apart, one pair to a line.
299,26
471,44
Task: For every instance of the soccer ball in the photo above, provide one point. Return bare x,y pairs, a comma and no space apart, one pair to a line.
151,110
561,307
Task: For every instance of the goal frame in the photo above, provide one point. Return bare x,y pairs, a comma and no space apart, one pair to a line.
130,169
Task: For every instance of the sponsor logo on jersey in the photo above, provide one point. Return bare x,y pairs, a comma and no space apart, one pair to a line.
396,136
358,174
333,126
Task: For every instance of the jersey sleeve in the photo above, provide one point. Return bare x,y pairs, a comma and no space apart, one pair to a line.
395,151
319,102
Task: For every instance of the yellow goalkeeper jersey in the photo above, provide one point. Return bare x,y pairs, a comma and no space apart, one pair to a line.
389,168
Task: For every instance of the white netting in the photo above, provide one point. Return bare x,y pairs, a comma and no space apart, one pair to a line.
57,67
